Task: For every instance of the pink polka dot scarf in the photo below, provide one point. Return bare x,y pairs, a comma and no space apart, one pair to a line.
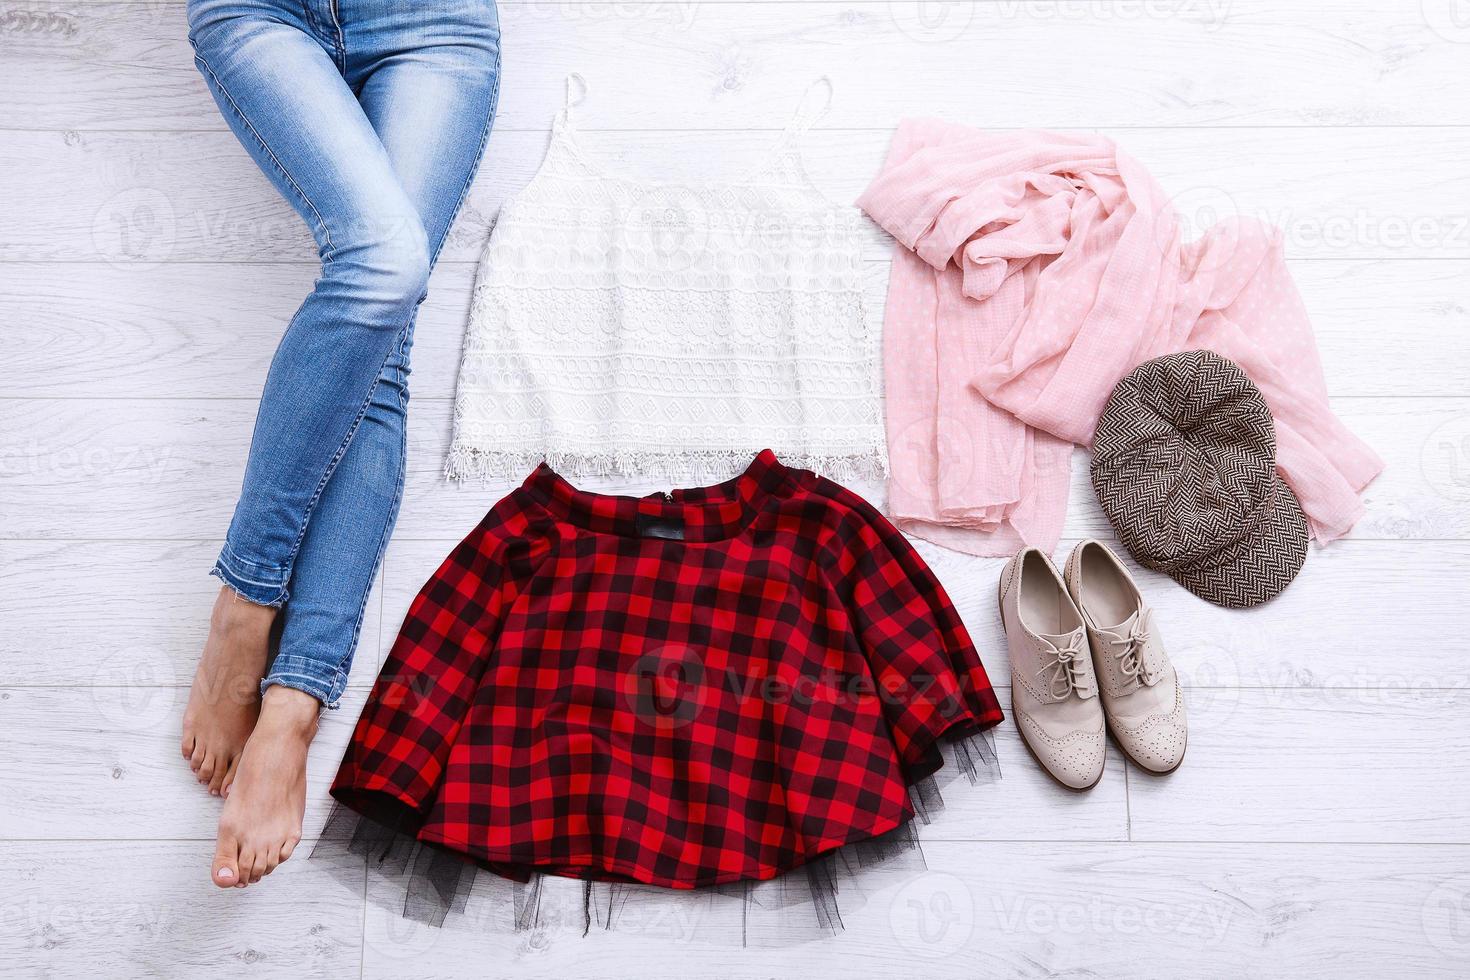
1034,270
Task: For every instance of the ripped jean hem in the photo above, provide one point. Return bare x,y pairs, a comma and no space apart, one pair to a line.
248,587
325,683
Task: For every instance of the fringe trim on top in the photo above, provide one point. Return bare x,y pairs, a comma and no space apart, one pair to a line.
507,466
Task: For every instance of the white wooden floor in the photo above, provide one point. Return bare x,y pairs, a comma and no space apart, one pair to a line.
1319,825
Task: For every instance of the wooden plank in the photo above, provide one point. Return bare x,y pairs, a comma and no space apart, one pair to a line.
1016,909
131,613
183,330
129,909
1316,828
102,762
137,199
171,469
1328,631
1247,62
1380,765
1421,494
192,330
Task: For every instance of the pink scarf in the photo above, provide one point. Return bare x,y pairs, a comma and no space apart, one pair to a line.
1033,271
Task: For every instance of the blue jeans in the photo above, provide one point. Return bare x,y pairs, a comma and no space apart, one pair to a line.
370,117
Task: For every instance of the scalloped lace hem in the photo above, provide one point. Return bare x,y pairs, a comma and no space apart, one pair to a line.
465,464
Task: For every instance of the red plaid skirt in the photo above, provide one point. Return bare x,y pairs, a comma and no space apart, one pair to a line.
681,689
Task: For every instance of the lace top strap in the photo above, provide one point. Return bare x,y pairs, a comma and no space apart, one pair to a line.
815,102
576,93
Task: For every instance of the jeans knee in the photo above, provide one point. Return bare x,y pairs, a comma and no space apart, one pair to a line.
413,261
388,266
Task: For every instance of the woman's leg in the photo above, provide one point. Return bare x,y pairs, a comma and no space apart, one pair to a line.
431,107
280,86
277,78
427,81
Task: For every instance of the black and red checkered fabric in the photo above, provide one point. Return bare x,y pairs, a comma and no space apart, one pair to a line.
682,689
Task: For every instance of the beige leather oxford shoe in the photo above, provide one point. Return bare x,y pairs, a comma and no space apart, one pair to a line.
1141,695
1053,688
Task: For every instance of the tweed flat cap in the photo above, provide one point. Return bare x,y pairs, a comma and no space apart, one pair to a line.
1184,465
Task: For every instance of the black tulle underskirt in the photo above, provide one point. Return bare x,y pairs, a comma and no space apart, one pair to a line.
438,887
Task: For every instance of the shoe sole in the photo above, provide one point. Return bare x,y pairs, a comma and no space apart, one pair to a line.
1022,732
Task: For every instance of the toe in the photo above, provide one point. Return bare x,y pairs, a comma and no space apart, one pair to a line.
217,778
257,866
247,864
226,870
289,847
206,768
228,779
196,758
186,745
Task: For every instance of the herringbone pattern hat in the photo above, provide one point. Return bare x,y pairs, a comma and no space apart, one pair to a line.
1184,465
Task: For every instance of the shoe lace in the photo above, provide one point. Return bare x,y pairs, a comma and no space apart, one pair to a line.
1128,649
1065,667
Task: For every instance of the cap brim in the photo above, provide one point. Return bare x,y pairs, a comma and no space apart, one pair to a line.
1258,566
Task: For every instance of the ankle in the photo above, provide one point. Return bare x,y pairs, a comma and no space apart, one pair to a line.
288,712
231,611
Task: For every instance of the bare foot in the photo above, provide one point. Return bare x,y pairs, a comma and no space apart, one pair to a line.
261,822
225,699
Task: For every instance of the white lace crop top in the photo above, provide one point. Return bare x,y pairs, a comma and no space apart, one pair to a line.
672,329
